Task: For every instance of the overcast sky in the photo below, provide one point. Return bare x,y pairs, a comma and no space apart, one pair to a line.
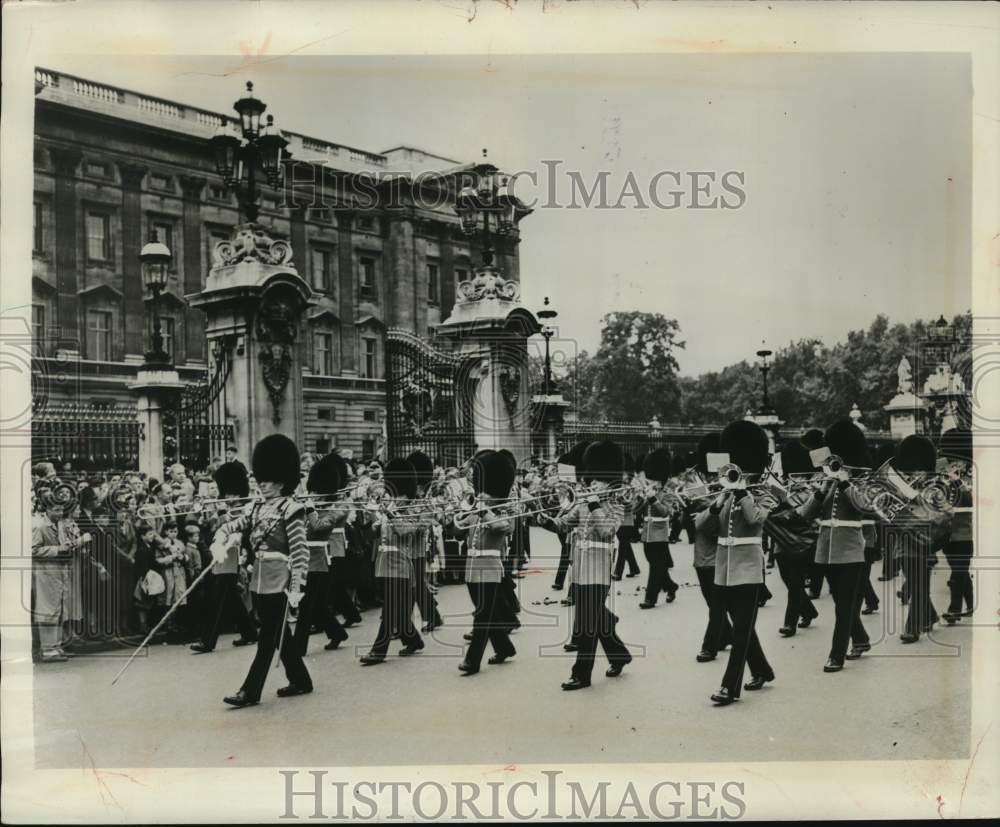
857,174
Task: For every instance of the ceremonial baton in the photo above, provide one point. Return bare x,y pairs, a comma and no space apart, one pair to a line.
163,620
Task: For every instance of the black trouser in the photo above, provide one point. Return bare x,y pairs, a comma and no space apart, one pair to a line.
341,601
719,631
959,555
271,611
847,590
225,601
508,605
658,557
792,568
741,606
563,560
593,622
422,595
816,574
625,553
397,615
870,595
917,570
488,623
315,608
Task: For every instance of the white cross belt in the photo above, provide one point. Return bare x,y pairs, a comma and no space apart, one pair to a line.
484,552
841,523
739,541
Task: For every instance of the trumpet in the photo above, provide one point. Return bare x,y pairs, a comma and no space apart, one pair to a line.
731,477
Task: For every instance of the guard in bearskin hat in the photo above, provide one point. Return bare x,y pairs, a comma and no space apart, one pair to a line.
737,518
424,598
627,532
563,526
273,535
486,530
916,540
718,632
840,546
599,517
401,531
325,535
794,539
955,447
224,592
660,506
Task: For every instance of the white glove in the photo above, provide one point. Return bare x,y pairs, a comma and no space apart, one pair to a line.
218,550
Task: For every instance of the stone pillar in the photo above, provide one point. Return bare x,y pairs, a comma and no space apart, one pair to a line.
300,247
447,275
194,324
399,291
254,303
490,327
132,241
65,162
154,388
346,292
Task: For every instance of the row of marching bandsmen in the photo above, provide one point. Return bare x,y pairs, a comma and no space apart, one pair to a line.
801,507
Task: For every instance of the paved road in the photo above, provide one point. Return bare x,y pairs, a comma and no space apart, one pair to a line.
899,701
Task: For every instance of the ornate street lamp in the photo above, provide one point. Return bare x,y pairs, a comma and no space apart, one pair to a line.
764,368
489,199
239,150
545,314
155,263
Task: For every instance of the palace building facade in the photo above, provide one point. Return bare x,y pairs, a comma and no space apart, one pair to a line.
112,166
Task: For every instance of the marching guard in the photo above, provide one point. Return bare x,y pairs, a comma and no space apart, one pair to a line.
487,530
402,533
325,521
737,518
233,484
595,531
956,448
656,530
718,631
423,596
840,546
273,535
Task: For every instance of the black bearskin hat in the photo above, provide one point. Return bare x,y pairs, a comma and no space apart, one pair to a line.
747,445
575,457
708,444
916,453
628,462
423,466
795,458
327,476
232,479
493,475
885,453
656,465
847,441
639,462
510,457
276,459
604,461
813,439
400,478
956,444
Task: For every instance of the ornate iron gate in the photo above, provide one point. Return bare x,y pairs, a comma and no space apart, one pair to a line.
425,407
195,428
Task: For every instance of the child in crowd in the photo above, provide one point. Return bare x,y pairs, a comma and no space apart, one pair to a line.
172,556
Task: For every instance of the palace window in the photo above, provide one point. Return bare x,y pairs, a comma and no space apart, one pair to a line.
433,283
167,332
98,236
367,280
99,335
38,324
323,353
158,181
217,192
165,235
38,228
369,361
96,169
461,275
325,414
322,446
369,415
366,223
367,448
322,269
